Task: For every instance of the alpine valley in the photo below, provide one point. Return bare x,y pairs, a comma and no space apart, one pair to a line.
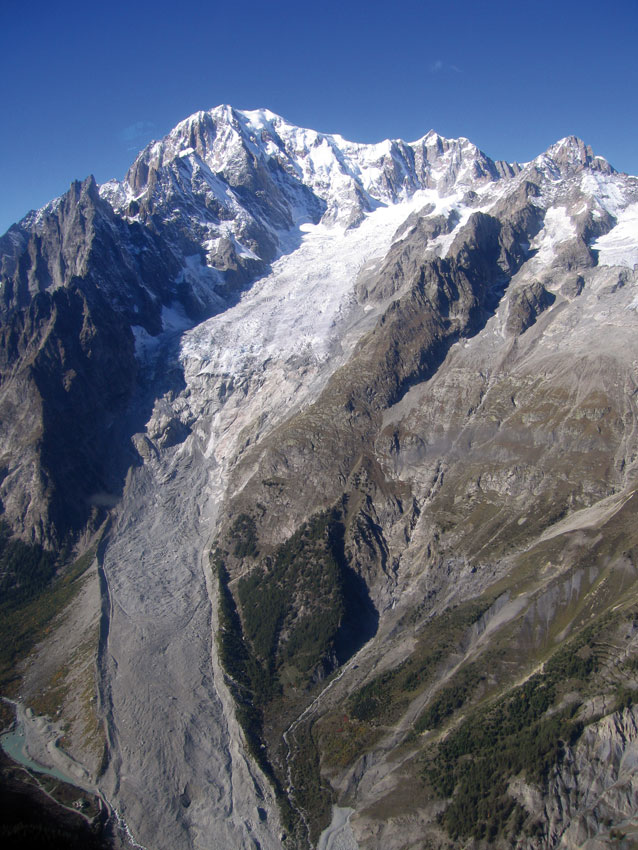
318,469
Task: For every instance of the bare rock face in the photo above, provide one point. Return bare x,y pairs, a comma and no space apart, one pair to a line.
525,307
72,287
362,420
591,797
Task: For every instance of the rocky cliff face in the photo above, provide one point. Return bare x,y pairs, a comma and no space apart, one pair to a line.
363,420
591,796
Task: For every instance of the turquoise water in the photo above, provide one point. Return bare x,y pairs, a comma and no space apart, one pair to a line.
13,745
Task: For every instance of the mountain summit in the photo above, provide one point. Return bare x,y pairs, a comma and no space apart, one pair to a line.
343,439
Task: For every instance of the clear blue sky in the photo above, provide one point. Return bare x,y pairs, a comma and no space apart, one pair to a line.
86,85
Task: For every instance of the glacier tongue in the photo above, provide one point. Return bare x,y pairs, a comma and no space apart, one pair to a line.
173,738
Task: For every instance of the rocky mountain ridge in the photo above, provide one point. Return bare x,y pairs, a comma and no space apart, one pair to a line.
362,420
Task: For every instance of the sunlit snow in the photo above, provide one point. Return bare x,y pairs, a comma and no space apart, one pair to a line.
301,310
619,247
557,229
297,308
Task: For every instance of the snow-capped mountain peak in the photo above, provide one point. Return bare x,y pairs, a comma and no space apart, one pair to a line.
349,178
234,187
568,156
236,190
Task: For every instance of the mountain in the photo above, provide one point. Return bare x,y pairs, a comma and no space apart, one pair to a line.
334,446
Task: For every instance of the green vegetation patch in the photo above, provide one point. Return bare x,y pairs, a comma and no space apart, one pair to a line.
251,687
244,535
382,700
311,794
25,569
293,605
26,614
239,666
523,733
279,635
347,733
451,697
342,738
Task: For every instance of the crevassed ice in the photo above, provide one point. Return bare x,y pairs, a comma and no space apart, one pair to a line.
619,247
295,309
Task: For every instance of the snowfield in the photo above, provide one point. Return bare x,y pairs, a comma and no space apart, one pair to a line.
619,247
